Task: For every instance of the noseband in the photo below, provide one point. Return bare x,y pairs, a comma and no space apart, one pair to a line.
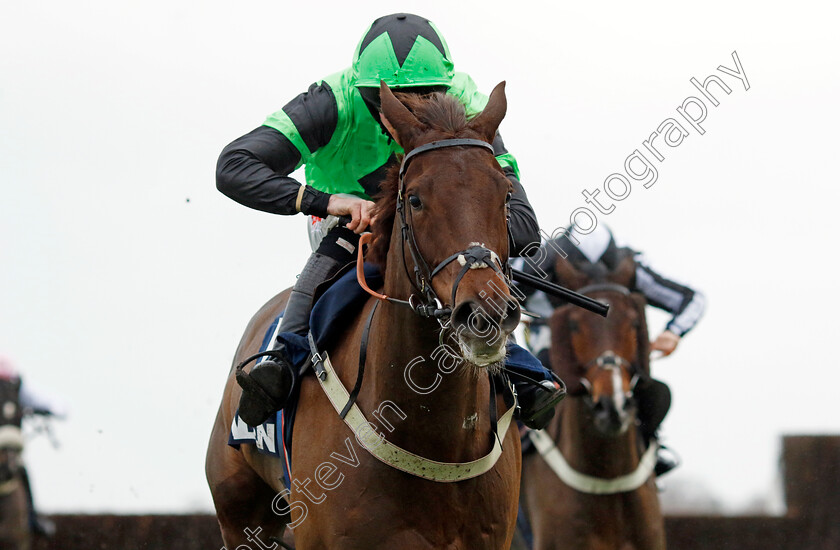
477,256
609,360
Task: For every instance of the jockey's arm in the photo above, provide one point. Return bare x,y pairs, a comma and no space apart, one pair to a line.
685,304
524,228
254,169
35,402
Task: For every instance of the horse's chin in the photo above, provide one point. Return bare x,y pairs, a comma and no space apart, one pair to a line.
482,356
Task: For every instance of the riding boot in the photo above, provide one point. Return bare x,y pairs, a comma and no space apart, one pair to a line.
666,460
654,400
538,390
268,386
537,402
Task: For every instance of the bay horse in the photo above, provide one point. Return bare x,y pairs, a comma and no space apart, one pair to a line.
15,532
590,484
440,220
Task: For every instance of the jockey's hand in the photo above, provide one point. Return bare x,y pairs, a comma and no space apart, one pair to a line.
665,343
360,210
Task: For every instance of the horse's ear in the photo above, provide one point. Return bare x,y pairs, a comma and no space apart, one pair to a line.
624,273
404,123
487,122
568,275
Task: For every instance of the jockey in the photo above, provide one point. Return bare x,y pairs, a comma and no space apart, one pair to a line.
595,254
17,401
336,131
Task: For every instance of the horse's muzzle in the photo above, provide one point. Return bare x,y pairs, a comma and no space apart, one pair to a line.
482,330
609,419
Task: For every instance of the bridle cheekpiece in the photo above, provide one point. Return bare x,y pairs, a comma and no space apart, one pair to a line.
477,256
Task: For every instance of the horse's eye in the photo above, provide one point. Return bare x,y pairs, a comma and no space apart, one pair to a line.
415,202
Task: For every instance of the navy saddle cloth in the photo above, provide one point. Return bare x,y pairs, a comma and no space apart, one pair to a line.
332,311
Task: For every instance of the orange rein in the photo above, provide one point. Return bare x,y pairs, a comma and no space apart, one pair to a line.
360,270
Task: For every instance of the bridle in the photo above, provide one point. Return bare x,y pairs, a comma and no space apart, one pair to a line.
609,360
426,302
549,448
477,256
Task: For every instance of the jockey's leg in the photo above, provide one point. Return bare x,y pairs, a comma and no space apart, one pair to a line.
654,400
267,387
40,526
538,390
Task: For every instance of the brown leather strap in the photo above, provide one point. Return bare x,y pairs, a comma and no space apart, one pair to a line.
360,267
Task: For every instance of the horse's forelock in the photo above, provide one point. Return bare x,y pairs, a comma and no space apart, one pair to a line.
437,111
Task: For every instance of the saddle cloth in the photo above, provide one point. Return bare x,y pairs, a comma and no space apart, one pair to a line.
332,310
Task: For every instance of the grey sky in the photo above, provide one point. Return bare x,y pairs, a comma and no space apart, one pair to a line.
127,279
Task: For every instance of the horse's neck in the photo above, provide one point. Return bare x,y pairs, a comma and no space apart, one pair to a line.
446,415
590,452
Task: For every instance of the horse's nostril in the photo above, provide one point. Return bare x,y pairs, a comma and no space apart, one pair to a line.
473,320
512,316
606,406
461,316
480,320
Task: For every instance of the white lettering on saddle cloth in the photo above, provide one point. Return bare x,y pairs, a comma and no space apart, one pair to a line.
263,436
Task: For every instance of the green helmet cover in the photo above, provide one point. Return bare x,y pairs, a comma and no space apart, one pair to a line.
404,50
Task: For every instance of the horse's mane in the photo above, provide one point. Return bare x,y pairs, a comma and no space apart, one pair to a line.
445,117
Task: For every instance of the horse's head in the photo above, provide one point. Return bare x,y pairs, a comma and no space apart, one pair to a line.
442,219
602,359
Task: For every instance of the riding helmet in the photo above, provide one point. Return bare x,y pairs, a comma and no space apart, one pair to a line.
404,50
